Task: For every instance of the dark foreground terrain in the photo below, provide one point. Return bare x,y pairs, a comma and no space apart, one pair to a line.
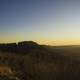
30,61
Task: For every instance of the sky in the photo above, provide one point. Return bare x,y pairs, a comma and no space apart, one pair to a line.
52,22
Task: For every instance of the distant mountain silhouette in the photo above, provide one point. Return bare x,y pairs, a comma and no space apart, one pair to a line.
20,47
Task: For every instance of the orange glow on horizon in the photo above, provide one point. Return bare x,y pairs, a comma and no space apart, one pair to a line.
46,42
59,42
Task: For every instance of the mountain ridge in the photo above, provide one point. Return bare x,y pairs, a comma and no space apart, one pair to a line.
20,47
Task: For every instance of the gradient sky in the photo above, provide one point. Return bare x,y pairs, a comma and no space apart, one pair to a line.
54,22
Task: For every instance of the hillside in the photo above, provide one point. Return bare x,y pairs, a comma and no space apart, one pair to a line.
31,61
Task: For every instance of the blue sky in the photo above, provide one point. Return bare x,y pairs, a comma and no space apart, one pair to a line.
53,22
